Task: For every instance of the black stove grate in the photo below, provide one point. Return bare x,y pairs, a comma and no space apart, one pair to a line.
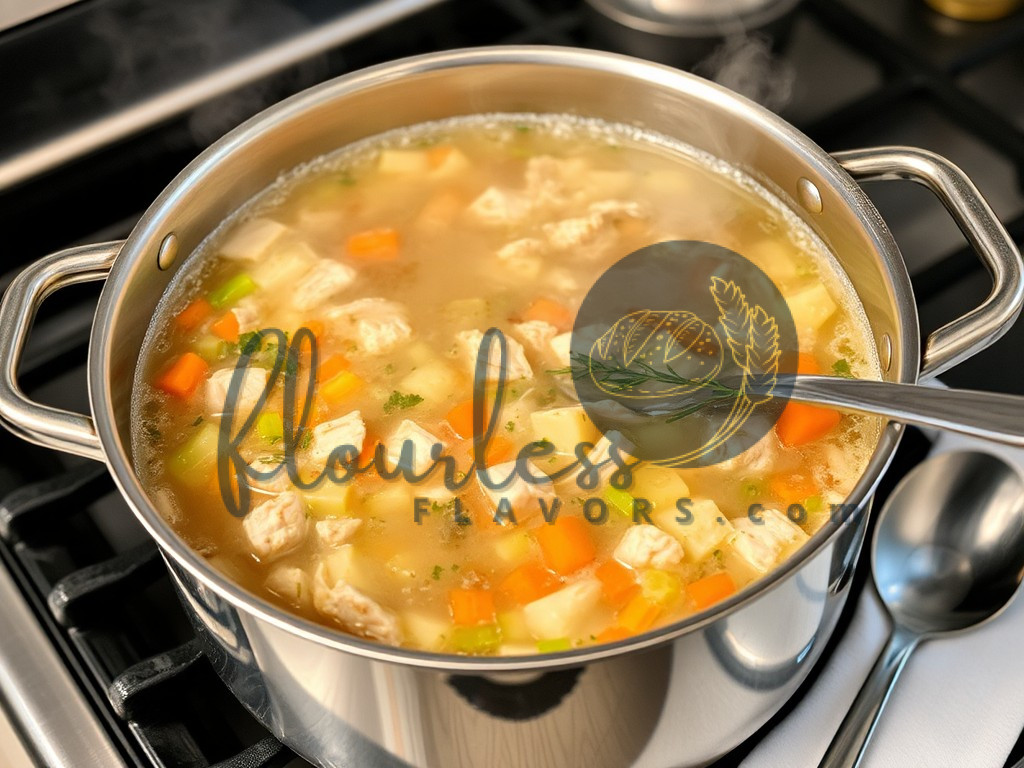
99,588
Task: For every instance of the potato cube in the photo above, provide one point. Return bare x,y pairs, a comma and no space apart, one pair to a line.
434,381
401,161
810,308
425,630
564,427
661,486
562,613
701,533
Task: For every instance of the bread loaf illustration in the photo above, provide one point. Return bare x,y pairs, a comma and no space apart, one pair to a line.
658,339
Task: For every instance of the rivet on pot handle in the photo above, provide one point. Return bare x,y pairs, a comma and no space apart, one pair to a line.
43,424
955,342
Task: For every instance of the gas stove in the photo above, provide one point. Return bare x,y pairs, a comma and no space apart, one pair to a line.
105,100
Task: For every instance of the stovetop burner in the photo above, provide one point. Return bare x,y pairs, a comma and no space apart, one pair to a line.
98,608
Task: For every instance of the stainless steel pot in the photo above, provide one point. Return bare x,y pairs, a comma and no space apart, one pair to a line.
683,694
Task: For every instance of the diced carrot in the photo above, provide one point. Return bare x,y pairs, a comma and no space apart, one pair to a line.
618,583
318,330
638,615
612,635
499,449
470,607
380,244
792,488
437,155
331,367
807,364
566,545
195,313
339,387
184,375
528,582
551,312
801,423
369,446
460,419
226,327
711,589
315,327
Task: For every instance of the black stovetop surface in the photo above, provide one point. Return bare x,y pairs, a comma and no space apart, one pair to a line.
857,73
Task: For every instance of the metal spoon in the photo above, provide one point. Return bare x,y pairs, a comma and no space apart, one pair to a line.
986,415
948,554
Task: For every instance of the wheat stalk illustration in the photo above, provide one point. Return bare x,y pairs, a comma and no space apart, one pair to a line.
734,315
753,338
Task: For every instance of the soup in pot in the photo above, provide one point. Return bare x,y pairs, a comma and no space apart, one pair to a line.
396,256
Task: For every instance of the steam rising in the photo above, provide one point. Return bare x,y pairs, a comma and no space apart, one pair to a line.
746,64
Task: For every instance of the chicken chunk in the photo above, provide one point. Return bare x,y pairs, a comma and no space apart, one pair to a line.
593,228
522,259
291,583
337,531
417,454
344,430
537,334
376,325
516,364
757,460
251,239
497,207
647,546
248,314
323,282
521,494
276,526
354,611
279,483
254,381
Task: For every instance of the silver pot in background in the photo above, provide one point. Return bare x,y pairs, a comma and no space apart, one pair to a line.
678,695
683,33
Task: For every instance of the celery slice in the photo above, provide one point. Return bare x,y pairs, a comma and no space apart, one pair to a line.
231,292
482,639
197,455
554,646
619,499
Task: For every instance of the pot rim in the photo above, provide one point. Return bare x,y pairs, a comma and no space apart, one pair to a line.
100,348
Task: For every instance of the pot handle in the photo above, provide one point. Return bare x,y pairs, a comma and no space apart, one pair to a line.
970,333
35,422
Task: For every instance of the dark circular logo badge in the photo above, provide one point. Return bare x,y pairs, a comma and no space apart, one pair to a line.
677,352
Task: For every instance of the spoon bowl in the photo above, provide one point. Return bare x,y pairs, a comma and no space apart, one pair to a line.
947,555
948,549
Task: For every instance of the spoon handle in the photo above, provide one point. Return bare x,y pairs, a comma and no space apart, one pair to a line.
848,745
986,415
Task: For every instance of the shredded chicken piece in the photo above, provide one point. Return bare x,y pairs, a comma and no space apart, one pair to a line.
354,611
276,526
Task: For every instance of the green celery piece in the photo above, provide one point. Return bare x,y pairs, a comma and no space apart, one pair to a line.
619,499
555,645
231,292
198,453
270,427
481,639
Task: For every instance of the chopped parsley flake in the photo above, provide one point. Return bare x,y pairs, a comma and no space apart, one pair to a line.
511,426
198,421
400,402
436,573
842,368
